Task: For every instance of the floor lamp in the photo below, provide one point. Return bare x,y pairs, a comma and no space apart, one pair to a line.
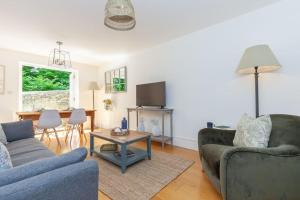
94,86
258,59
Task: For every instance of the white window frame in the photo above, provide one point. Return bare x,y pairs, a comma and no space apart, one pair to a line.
74,84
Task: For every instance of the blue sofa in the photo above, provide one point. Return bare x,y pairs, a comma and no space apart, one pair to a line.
38,174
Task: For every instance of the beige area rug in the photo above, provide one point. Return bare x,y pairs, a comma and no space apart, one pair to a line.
142,180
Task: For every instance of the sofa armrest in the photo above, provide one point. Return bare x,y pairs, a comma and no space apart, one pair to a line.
37,167
259,174
77,182
18,130
215,136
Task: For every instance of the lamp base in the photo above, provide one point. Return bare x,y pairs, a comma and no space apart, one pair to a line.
256,74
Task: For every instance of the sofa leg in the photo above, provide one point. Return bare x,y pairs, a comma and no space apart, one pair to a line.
201,164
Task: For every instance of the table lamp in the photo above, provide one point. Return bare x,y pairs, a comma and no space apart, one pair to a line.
258,59
94,86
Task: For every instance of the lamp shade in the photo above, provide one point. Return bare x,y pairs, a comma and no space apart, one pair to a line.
119,15
94,86
260,56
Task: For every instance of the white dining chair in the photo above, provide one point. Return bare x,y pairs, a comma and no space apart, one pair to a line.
77,119
49,119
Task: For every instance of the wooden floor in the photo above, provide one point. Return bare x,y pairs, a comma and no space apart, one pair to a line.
191,185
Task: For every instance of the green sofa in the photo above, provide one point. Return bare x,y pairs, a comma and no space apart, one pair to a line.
241,173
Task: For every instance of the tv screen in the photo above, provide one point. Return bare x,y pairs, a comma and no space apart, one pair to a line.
152,94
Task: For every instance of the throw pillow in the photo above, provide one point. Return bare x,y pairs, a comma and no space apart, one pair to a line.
253,132
18,130
5,161
2,136
241,129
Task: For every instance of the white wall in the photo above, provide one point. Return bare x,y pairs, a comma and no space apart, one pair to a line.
200,72
9,101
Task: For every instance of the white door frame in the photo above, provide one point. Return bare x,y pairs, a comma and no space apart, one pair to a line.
74,85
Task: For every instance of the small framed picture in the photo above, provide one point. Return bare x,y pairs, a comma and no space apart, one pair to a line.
2,79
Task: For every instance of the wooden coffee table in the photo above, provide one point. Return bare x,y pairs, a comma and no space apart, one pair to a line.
124,141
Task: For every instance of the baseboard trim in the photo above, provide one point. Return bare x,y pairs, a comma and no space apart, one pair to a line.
186,143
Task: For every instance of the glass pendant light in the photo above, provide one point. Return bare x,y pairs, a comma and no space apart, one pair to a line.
59,57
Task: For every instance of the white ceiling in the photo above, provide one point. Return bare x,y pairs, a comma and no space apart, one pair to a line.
34,25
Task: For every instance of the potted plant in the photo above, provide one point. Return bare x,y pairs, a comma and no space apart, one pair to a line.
107,104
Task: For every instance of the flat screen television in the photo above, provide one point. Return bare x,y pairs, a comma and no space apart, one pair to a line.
151,94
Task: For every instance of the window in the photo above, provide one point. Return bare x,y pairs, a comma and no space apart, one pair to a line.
47,88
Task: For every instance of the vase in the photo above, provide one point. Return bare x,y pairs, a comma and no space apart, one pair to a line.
155,128
141,125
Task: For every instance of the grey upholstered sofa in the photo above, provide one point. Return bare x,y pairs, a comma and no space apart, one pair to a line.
40,175
251,173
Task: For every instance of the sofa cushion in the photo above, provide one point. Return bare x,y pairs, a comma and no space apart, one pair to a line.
285,130
212,154
41,166
18,130
5,161
27,150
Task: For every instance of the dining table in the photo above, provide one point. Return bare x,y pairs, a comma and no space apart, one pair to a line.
34,116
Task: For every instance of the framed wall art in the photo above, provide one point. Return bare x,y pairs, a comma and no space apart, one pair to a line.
116,80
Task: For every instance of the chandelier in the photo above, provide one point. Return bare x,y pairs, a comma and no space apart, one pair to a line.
119,15
59,57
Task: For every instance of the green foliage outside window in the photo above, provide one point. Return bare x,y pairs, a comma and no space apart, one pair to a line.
119,84
42,79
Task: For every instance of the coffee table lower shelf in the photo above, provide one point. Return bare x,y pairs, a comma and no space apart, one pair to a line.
140,154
